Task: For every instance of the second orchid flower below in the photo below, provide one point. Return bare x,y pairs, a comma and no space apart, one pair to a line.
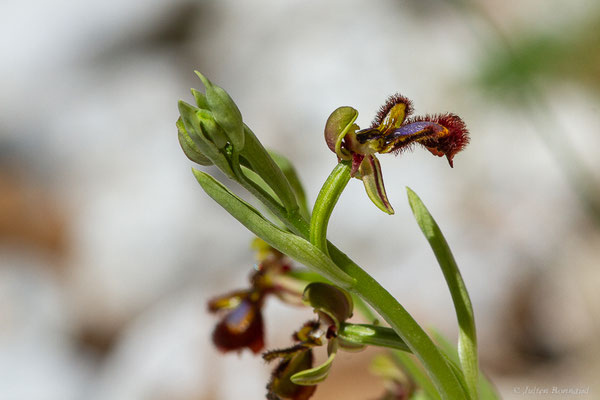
392,131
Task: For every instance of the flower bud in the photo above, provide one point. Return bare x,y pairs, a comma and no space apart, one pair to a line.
225,112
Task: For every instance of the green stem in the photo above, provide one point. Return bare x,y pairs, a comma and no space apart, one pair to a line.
404,325
374,294
325,203
382,301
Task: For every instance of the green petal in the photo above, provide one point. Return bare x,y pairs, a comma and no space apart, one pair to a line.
370,171
338,124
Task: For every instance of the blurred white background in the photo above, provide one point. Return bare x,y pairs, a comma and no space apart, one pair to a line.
109,249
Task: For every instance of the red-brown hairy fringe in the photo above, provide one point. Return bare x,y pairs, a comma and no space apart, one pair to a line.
391,102
450,144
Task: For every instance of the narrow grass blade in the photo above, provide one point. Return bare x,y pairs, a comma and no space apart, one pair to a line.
467,340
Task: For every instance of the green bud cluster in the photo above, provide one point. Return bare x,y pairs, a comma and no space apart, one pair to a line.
212,128
213,133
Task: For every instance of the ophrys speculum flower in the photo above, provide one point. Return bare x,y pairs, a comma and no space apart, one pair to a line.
392,131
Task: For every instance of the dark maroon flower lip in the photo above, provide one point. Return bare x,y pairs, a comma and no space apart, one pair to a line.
448,144
241,325
241,328
294,359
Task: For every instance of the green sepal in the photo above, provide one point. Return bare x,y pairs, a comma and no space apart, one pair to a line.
225,111
201,100
339,123
294,246
330,300
311,377
370,172
195,131
189,147
467,338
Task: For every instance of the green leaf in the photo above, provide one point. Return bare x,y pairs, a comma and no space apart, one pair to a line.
467,339
189,147
225,111
292,177
259,161
333,301
310,377
416,372
294,246
487,391
372,335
